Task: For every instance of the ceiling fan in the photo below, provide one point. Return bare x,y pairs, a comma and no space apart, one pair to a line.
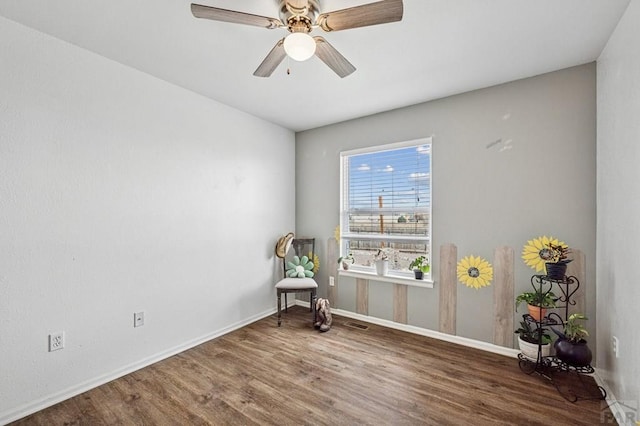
300,17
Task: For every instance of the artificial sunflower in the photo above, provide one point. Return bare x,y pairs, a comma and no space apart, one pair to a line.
474,272
316,262
539,251
336,234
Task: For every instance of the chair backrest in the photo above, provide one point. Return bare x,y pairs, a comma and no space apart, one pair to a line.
301,247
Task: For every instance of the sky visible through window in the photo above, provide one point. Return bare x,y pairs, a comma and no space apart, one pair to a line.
400,176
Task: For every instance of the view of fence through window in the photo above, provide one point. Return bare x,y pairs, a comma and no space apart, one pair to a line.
386,203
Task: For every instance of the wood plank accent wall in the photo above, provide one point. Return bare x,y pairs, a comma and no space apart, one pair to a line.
332,265
503,290
578,268
503,296
448,288
400,303
362,296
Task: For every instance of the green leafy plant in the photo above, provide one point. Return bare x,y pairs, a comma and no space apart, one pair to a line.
537,298
575,331
533,335
420,263
346,258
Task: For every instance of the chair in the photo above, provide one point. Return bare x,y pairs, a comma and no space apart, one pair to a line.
301,247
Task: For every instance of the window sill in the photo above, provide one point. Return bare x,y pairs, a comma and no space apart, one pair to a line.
389,278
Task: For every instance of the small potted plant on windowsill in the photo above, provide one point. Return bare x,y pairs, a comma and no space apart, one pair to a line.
346,261
537,303
381,260
571,347
530,337
420,266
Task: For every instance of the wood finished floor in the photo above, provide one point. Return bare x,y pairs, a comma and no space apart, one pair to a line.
293,375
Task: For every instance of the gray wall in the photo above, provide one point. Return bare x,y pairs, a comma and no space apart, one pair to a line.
619,208
122,193
482,198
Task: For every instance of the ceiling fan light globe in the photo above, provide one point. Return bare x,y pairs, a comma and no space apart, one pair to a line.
299,46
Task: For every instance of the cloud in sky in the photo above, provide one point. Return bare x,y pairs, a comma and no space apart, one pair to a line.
364,167
423,149
388,169
419,176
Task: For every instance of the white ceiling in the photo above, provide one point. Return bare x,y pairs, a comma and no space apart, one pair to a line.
440,48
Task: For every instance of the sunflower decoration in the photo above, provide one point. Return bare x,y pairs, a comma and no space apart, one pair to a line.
541,250
336,234
474,272
300,267
316,262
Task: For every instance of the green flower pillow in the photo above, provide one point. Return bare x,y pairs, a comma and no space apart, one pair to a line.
300,268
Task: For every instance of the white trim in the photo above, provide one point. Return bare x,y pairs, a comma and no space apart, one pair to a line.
464,341
47,401
344,194
389,278
388,147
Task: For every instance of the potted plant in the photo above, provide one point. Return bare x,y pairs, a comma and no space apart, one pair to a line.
530,338
346,261
571,347
537,302
420,266
556,257
381,260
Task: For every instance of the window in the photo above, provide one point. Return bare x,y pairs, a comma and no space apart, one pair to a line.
386,204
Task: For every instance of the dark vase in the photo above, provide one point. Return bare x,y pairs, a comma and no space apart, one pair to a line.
556,271
418,273
576,354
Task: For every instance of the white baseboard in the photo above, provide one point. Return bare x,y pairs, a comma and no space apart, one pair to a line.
620,412
477,344
49,400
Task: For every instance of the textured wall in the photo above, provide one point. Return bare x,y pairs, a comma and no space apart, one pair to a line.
618,232
482,197
121,193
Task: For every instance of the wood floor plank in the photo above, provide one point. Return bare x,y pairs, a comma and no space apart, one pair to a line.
291,375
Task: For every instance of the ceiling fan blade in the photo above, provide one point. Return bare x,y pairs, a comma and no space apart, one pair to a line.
272,60
334,60
217,14
376,13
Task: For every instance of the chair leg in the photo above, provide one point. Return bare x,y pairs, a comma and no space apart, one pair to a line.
279,309
286,304
314,298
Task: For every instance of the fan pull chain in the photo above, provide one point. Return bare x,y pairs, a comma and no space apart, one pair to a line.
288,66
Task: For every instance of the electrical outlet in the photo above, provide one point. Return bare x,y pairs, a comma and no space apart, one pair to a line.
56,341
332,281
138,319
615,346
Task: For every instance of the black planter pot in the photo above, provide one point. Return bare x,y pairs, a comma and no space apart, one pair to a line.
576,354
556,271
419,274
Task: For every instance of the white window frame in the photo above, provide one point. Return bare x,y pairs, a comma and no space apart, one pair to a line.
406,277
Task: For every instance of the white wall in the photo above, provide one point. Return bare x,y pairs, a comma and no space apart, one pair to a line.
482,198
618,231
122,193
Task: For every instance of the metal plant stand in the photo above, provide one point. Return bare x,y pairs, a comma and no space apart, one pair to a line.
568,379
